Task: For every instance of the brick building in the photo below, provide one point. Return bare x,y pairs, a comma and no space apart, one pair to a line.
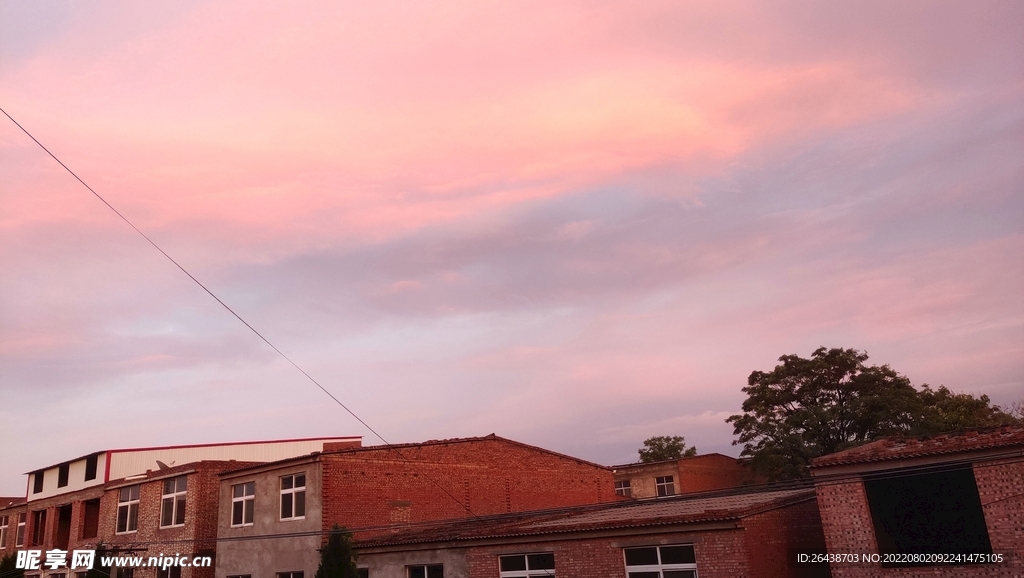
142,501
13,520
746,533
374,489
950,494
680,476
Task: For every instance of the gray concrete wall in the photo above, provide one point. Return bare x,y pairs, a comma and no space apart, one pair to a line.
393,564
264,558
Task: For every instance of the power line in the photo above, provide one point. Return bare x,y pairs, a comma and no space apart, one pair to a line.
228,308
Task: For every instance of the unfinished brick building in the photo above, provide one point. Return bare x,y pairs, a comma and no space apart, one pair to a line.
950,494
133,502
373,489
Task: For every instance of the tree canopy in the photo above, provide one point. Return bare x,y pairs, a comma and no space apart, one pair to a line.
660,448
805,408
337,559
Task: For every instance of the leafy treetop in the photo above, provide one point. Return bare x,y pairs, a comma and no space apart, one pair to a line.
660,448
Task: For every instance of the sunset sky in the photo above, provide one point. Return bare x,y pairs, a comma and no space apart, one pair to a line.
574,224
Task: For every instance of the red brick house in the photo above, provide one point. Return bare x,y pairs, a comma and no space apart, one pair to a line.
142,501
748,533
680,476
951,494
372,490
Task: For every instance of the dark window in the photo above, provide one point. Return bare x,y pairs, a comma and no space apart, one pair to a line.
62,475
623,488
90,468
128,510
38,527
363,572
172,505
928,513
527,565
293,497
431,571
172,572
37,482
125,573
661,562
666,485
91,519
289,575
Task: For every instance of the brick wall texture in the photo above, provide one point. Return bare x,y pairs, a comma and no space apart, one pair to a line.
463,478
846,520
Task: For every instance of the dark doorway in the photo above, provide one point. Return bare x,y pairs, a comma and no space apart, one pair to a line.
91,519
63,527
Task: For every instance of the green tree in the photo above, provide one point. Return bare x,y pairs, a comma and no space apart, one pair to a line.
7,567
660,448
947,411
805,408
337,559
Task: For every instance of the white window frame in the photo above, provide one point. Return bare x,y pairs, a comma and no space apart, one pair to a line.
624,488
296,574
293,491
660,567
665,486
176,498
19,536
248,501
130,505
3,531
426,567
528,572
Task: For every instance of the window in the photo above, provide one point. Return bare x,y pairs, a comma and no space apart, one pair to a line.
37,482
172,572
90,467
666,485
928,513
527,565
38,527
661,562
59,575
19,538
91,519
363,572
242,502
293,497
243,575
172,506
125,573
623,489
431,571
289,575
128,512
62,475
81,574
3,532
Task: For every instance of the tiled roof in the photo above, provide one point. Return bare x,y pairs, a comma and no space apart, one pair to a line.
901,448
695,508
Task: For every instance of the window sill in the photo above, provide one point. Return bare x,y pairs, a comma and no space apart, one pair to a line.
242,525
172,526
292,519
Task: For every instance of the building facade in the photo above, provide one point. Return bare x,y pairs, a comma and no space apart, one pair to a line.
932,506
743,534
377,490
680,476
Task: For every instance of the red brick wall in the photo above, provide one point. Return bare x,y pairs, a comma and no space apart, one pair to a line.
438,480
711,472
846,520
770,536
720,554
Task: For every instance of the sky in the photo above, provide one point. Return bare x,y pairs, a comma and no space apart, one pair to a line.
573,224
